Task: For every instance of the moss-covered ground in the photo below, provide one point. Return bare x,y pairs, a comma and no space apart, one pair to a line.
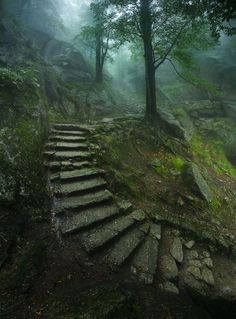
146,166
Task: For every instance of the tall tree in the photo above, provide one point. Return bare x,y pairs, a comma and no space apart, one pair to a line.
167,30
100,35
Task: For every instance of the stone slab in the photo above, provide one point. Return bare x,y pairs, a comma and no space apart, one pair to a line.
97,238
80,174
83,201
144,264
67,155
77,187
71,139
124,247
87,218
67,133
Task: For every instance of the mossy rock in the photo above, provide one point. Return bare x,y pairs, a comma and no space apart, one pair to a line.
193,178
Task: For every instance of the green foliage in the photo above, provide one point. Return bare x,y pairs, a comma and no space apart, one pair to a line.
212,153
19,92
168,164
21,159
18,78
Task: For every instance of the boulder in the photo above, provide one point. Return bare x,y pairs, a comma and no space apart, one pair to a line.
168,267
177,250
169,287
171,124
193,178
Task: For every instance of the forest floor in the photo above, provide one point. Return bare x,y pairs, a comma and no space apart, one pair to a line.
44,280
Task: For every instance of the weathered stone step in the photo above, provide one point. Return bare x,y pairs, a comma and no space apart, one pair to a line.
71,127
66,155
70,139
126,246
67,133
66,165
104,234
79,187
76,174
83,201
80,174
66,146
88,217
144,263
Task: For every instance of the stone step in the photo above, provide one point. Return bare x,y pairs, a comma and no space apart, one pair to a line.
144,263
97,238
83,201
66,165
87,218
126,246
71,127
70,139
76,175
80,174
79,187
66,146
66,155
67,133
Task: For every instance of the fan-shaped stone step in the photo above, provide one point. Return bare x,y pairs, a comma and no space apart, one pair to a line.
144,263
79,187
102,235
72,127
88,217
126,246
66,146
70,139
65,155
68,133
83,201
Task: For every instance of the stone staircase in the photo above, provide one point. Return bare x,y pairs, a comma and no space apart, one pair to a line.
116,232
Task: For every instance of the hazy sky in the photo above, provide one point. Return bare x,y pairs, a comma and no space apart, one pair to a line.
74,14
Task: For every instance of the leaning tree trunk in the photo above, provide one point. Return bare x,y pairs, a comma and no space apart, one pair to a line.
99,64
146,28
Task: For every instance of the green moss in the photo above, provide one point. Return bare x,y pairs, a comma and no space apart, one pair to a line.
211,152
178,163
21,158
167,164
215,204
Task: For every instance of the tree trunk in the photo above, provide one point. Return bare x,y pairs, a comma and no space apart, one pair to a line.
146,29
99,64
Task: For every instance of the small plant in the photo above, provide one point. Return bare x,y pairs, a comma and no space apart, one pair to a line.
18,78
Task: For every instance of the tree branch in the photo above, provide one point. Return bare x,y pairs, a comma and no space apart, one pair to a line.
178,73
162,59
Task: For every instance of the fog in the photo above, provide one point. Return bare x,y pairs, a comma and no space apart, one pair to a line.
75,14
64,20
